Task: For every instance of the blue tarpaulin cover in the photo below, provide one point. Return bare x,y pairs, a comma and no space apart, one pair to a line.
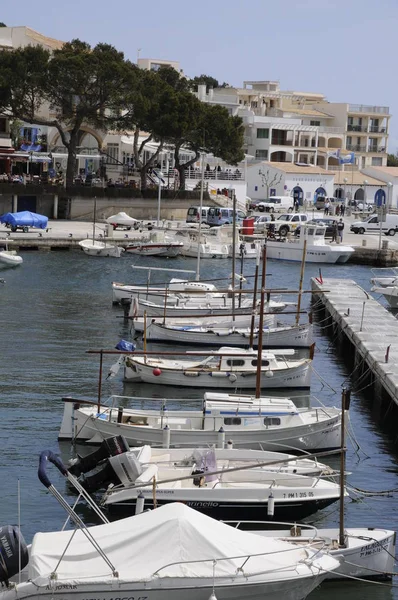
25,218
125,345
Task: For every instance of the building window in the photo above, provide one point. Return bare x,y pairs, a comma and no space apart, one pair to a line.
315,123
112,151
262,154
263,134
3,125
377,161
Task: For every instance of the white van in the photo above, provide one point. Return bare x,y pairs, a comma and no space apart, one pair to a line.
276,204
389,225
193,214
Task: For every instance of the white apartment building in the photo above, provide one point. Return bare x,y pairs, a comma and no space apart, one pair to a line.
303,127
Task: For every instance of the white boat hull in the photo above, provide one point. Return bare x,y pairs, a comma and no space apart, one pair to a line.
293,336
369,553
297,377
292,250
10,259
389,293
169,250
100,248
207,322
198,589
321,432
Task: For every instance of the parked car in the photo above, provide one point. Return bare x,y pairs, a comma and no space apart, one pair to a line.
388,226
367,207
289,222
223,216
193,214
253,204
261,222
276,204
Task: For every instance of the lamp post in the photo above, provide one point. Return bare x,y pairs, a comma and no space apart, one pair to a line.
345,194
159,175
389,186
365,183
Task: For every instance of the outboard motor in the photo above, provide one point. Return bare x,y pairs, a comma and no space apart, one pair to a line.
11,543
109,447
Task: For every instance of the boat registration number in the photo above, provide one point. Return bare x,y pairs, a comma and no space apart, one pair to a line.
299,495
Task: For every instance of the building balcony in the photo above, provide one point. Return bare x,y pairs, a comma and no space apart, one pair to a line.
357,128
356,148
339,130
381,130
376,149
276,142
364,108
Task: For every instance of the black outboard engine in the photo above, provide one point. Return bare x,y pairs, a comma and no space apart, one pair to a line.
109,447
11,543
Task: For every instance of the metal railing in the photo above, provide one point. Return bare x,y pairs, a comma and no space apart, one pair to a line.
356,148
374,129
323,129
376,148
276,142
364,108
357,128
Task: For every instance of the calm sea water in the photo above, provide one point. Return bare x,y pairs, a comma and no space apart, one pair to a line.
58,305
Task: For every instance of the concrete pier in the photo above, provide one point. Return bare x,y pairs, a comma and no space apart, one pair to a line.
368,337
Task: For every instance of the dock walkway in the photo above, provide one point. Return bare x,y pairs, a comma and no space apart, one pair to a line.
371,330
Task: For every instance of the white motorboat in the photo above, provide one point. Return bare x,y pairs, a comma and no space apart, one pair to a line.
108,465
174,306
233,494
390,293
96,248
281,336
9,258
368,553
384,276
317,250
266,423
167,249
224,368
122,292
171,552
206,242
244,321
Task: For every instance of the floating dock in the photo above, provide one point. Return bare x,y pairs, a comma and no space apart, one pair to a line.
367,335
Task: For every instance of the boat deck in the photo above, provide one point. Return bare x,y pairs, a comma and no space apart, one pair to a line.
371,329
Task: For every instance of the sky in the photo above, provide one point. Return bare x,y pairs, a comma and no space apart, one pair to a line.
343,49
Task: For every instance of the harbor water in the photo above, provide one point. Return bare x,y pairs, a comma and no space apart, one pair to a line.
58,305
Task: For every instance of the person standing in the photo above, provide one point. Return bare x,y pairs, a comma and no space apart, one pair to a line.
340,227
327,205
335,231
342,210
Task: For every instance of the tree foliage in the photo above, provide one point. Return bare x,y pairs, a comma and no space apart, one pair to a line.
80,84
392,160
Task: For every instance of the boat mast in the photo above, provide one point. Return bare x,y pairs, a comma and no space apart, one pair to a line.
301,275
233,253
345,397
94,217
197,278
261,323
253,319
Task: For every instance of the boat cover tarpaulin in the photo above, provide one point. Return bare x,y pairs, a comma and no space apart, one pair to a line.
25,218
165,538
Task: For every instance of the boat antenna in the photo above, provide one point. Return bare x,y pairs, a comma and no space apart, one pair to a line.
233,252
304,233
253,319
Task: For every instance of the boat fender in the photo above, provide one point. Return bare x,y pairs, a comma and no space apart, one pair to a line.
219,374
191,373
269,373
232,377
156,371
271,505
11,541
